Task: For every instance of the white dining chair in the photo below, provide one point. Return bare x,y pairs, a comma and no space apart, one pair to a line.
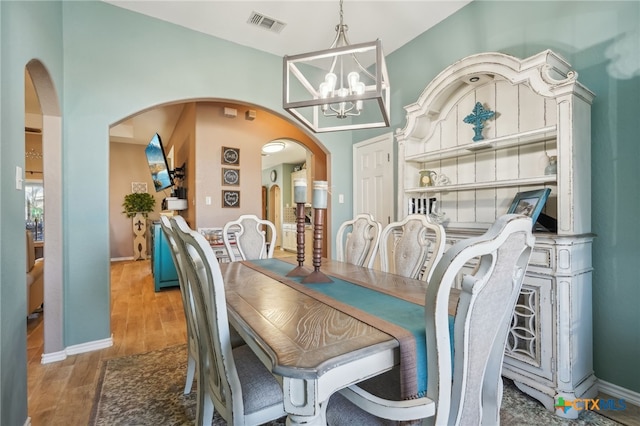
411,247
357,240
482,318
187,303
249,238
232,381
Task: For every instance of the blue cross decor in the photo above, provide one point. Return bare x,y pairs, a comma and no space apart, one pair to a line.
477,118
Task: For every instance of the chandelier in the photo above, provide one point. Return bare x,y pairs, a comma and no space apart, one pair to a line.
345,87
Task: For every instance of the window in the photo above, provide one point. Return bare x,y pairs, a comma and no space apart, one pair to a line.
34,208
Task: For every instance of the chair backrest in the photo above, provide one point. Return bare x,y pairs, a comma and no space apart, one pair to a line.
411,247
185,292
360,244
485,308
169,233
218,377
250,238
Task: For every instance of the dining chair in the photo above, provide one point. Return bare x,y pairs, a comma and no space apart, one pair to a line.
465,389
360,244
250,238
411,247
232,381
187,303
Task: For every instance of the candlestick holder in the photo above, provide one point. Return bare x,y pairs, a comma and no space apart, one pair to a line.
300,270
316,276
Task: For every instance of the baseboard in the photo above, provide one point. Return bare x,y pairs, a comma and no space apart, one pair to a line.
616,391
53,357
121,259
90,346
77,349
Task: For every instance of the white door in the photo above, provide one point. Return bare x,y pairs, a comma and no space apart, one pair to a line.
373,178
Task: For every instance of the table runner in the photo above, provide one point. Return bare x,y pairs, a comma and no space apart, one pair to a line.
399,318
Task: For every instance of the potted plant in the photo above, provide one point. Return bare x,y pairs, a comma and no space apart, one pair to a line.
138,205
138,202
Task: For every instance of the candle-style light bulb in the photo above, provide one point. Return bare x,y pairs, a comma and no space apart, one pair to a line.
353,78
331,80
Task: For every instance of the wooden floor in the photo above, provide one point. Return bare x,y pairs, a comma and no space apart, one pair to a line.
142,320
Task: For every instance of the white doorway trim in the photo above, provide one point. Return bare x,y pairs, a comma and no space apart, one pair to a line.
53,232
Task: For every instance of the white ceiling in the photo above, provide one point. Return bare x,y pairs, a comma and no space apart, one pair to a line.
309,25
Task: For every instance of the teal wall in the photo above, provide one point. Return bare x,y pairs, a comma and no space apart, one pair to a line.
108,63
601,40
27,31
117,63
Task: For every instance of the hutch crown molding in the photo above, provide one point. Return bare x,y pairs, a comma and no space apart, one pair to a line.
533,109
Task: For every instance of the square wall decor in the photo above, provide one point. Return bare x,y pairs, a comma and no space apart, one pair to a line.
230,198
230,177
230,155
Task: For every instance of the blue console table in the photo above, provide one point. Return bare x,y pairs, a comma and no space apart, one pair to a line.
162,267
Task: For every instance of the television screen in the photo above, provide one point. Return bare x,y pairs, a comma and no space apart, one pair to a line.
158,164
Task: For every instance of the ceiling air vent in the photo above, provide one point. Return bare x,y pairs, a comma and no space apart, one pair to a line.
262,21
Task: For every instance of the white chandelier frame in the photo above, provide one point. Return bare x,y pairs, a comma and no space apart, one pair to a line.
318,105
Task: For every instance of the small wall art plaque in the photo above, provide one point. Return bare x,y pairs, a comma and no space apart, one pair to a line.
230,155
138,187
230,177
230,198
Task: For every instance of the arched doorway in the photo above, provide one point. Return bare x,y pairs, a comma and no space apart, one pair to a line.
184,139
49,108
281,158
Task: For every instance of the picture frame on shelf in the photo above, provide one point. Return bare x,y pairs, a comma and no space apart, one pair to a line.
230,177
530,203
230,156
230,199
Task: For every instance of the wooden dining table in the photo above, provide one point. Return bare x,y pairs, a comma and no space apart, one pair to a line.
309,341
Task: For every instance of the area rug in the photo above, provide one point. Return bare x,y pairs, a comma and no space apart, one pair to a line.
146,389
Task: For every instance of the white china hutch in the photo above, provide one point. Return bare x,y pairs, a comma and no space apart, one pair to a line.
538,110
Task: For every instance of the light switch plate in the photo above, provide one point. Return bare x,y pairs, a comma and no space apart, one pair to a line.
19,178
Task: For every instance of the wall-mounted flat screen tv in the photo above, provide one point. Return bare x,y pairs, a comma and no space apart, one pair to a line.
158,165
